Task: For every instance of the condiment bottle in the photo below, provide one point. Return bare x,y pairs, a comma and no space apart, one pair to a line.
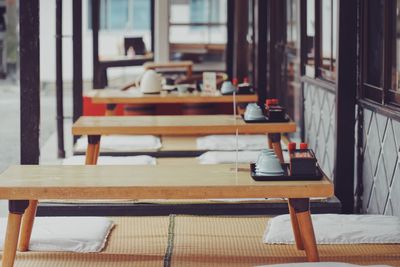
291,148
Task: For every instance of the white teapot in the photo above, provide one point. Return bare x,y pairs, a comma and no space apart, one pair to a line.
150,82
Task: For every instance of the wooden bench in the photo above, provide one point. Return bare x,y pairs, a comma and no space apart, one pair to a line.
173,181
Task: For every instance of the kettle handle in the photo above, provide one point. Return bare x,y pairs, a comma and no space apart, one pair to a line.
138,80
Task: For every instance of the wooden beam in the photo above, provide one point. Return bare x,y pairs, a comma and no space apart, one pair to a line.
77,59
345,103
241,24
97,83
261,31
230,38
29,81
59,81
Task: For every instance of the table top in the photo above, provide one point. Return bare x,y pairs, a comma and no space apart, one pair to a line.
134,96
125,58
175,125
168,64
170,181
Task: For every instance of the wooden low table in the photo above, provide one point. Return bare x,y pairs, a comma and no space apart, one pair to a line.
112,97
95,127
118,61
187,64
24,185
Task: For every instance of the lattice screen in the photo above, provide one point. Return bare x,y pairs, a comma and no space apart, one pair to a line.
320,118
381,169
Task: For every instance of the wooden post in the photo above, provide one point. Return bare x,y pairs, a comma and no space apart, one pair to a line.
301,209
295,227
16,210
274,139
93,150
27,225
29,81
345,103
11,241
261,43
97,82
110,109
77,80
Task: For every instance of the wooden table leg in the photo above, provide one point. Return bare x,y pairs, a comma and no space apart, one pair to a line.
16,210
275,139
301,207
270,143
27,225
92,151
295,227
189,72
110,109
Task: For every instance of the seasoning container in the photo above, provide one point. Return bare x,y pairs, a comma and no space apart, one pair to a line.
245,88
302,161
291,148
273,111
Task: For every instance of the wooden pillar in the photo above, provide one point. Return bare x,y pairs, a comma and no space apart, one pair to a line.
261,31
29,81
230,38
77,82
59,81
345,103
97,82
241,24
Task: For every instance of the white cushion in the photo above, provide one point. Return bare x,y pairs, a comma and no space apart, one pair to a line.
228,142
75,234
338,229
123,143
218,157
108,160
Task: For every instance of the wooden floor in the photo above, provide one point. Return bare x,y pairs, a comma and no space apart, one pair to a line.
201,241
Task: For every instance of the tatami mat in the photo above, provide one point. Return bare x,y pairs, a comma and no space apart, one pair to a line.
230,241
201,241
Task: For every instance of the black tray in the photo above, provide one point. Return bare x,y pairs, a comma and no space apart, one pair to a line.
265,120
286,177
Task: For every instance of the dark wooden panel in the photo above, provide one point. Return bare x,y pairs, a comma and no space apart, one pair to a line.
154,209
59,81
345,103
77,59
95,32
29,80
260,68
230,38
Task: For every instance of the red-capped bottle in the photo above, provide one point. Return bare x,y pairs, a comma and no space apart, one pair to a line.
303,146
235,81
275,101
291,148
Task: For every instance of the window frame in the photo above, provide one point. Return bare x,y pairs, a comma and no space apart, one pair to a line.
384,95
208,24
318,72
105,25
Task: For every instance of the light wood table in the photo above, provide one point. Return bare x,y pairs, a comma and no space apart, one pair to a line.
172,181
95,127
112,97
188,65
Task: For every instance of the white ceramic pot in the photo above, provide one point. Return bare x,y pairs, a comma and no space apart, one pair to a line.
151,82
